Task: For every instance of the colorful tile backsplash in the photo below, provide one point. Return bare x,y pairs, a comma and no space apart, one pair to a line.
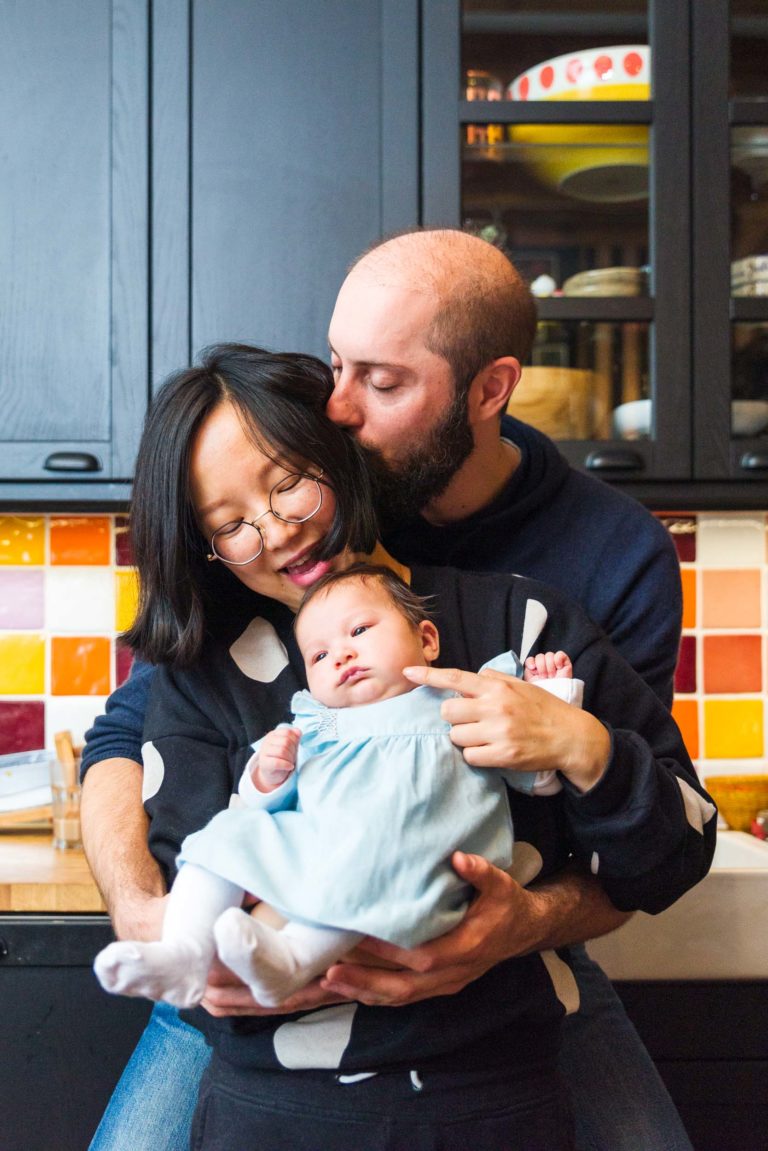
68,588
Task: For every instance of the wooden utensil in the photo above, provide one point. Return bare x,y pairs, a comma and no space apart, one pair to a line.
65,752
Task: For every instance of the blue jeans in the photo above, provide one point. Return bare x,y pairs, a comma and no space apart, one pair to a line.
619,1101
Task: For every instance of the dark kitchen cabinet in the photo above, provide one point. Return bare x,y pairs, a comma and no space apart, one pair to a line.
664,385
708,1042
180,174
74,283
65,1041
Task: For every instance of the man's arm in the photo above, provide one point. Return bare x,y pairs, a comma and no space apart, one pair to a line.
505,920
114,826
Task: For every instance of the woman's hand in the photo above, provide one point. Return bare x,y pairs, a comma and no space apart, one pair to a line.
499,721
504,920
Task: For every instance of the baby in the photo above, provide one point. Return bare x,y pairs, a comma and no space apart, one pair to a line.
349,817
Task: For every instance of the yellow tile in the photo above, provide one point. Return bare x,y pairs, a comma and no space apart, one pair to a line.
22,664
733,728
22,540
126,599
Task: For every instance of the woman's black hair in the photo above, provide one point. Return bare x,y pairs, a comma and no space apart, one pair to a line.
281,398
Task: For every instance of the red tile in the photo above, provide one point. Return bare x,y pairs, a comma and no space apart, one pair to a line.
123,549
123,661
22,726
685,673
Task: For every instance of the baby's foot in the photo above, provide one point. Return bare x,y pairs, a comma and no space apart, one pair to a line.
548,665
174,972
258,955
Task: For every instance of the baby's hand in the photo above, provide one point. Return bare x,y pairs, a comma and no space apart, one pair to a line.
277,758
548,665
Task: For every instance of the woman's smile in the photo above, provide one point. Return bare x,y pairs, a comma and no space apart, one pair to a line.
230,480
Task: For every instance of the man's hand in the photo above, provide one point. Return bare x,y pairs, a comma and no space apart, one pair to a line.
226,995
504,920
502,722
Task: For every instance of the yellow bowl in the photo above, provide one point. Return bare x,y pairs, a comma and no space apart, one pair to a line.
738,797
603,163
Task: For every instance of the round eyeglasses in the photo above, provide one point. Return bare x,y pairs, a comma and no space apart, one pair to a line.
294,499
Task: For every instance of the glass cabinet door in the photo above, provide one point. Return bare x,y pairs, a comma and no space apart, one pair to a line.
563,140
730,296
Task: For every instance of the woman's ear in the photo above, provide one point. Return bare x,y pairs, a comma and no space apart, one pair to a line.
430,640
491,389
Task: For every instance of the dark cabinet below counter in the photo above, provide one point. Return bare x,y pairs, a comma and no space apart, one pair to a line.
65,1041
709,1042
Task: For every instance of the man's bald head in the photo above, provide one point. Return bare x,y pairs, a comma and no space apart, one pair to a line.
483,308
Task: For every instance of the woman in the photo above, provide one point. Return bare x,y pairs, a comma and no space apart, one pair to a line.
245,495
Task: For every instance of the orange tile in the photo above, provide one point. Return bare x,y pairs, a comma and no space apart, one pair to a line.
22,540
22,664
80,665
731,598
733,728
126,598
686,716
688,577
80,539
732,663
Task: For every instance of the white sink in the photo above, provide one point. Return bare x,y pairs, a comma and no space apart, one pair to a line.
718,930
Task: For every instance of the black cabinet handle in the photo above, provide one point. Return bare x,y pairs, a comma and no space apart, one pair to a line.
754,461
615,459
72,462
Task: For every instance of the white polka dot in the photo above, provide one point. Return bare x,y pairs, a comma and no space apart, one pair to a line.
698,810
594,863
259,653
563,981
154,771
315,1041
526,862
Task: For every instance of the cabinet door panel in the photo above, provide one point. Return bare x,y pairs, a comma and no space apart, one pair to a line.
303,152
73,234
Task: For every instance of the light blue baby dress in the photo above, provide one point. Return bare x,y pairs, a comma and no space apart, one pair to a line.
361,834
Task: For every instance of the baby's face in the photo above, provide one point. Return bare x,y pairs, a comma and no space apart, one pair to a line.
355,644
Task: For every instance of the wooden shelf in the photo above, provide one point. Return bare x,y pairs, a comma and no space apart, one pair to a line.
37,877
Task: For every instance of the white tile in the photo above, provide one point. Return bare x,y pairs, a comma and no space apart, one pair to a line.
74,713
730,540
80,600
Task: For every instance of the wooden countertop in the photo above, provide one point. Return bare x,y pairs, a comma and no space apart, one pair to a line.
36,876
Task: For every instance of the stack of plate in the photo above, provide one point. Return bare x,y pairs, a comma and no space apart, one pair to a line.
607,282
749,277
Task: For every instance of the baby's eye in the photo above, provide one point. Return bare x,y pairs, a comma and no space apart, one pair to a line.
359,629
318,656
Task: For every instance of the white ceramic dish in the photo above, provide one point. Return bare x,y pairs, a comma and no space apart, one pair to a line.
749,417
632,421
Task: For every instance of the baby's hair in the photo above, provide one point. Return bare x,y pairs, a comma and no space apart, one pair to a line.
412,606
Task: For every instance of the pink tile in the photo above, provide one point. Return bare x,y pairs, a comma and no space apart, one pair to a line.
22,726
685,673
731,598
21,599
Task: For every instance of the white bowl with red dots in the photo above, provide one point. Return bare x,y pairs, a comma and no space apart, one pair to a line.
619,72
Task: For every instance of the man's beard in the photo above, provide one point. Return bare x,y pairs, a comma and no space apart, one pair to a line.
403,487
